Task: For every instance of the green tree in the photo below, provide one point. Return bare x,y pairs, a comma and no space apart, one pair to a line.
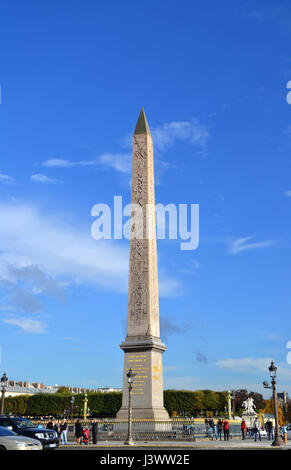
64,391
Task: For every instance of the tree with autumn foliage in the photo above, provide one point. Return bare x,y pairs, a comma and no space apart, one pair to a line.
269,409
287,412
241,395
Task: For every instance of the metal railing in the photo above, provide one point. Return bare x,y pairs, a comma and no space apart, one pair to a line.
181,429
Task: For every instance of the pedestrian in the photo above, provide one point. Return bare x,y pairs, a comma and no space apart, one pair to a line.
226,429
50,425
64,430
86,436
94,430
243,427
257,429
78,432
269,429
284,434
212,428
206,421
219,428
57,428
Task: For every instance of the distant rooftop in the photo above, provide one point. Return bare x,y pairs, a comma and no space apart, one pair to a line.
24,387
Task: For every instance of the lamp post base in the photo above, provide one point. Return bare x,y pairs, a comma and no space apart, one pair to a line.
276,443
129,442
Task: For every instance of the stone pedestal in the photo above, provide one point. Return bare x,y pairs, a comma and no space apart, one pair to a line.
249,418
144,357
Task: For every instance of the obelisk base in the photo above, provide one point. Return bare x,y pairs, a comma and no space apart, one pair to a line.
143,354
158,414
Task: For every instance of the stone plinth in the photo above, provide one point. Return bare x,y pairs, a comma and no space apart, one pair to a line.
249,418
144,357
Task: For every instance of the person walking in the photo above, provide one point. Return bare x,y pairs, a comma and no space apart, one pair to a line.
269,429
226,429
57,428
94,431
206,421
243,427
50,425
78,432
219,428
212,428
64,430
257,429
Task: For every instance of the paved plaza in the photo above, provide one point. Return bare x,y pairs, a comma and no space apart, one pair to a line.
233,444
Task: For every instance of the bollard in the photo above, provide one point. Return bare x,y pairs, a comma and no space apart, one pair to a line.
285,437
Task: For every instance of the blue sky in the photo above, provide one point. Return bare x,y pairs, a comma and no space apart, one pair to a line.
212,78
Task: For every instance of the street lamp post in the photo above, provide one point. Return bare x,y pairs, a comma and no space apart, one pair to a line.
233,404
72,407
85,406
129,441
4,384
229,404
273,374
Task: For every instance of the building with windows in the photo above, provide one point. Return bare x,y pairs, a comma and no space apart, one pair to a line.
26,388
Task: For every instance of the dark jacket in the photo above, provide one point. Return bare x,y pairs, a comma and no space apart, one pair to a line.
57,428
94,428
211,423
78,430
219,425
63,427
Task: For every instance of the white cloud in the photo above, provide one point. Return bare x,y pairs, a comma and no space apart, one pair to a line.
240,244
27,325
29,237
119,162
193,267
192,132
169,287
39,178
287,193
167,134
251,365
164,137
62,163
5,179
246,364
63,252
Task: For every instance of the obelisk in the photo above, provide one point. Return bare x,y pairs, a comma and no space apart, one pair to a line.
142,347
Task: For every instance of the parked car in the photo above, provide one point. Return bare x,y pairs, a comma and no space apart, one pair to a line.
23,427
9,440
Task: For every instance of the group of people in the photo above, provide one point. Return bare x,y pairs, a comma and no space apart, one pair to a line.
61,428
82,433
256,429
222,425
83,436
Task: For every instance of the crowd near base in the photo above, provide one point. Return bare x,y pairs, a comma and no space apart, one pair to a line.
219,430
82,433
